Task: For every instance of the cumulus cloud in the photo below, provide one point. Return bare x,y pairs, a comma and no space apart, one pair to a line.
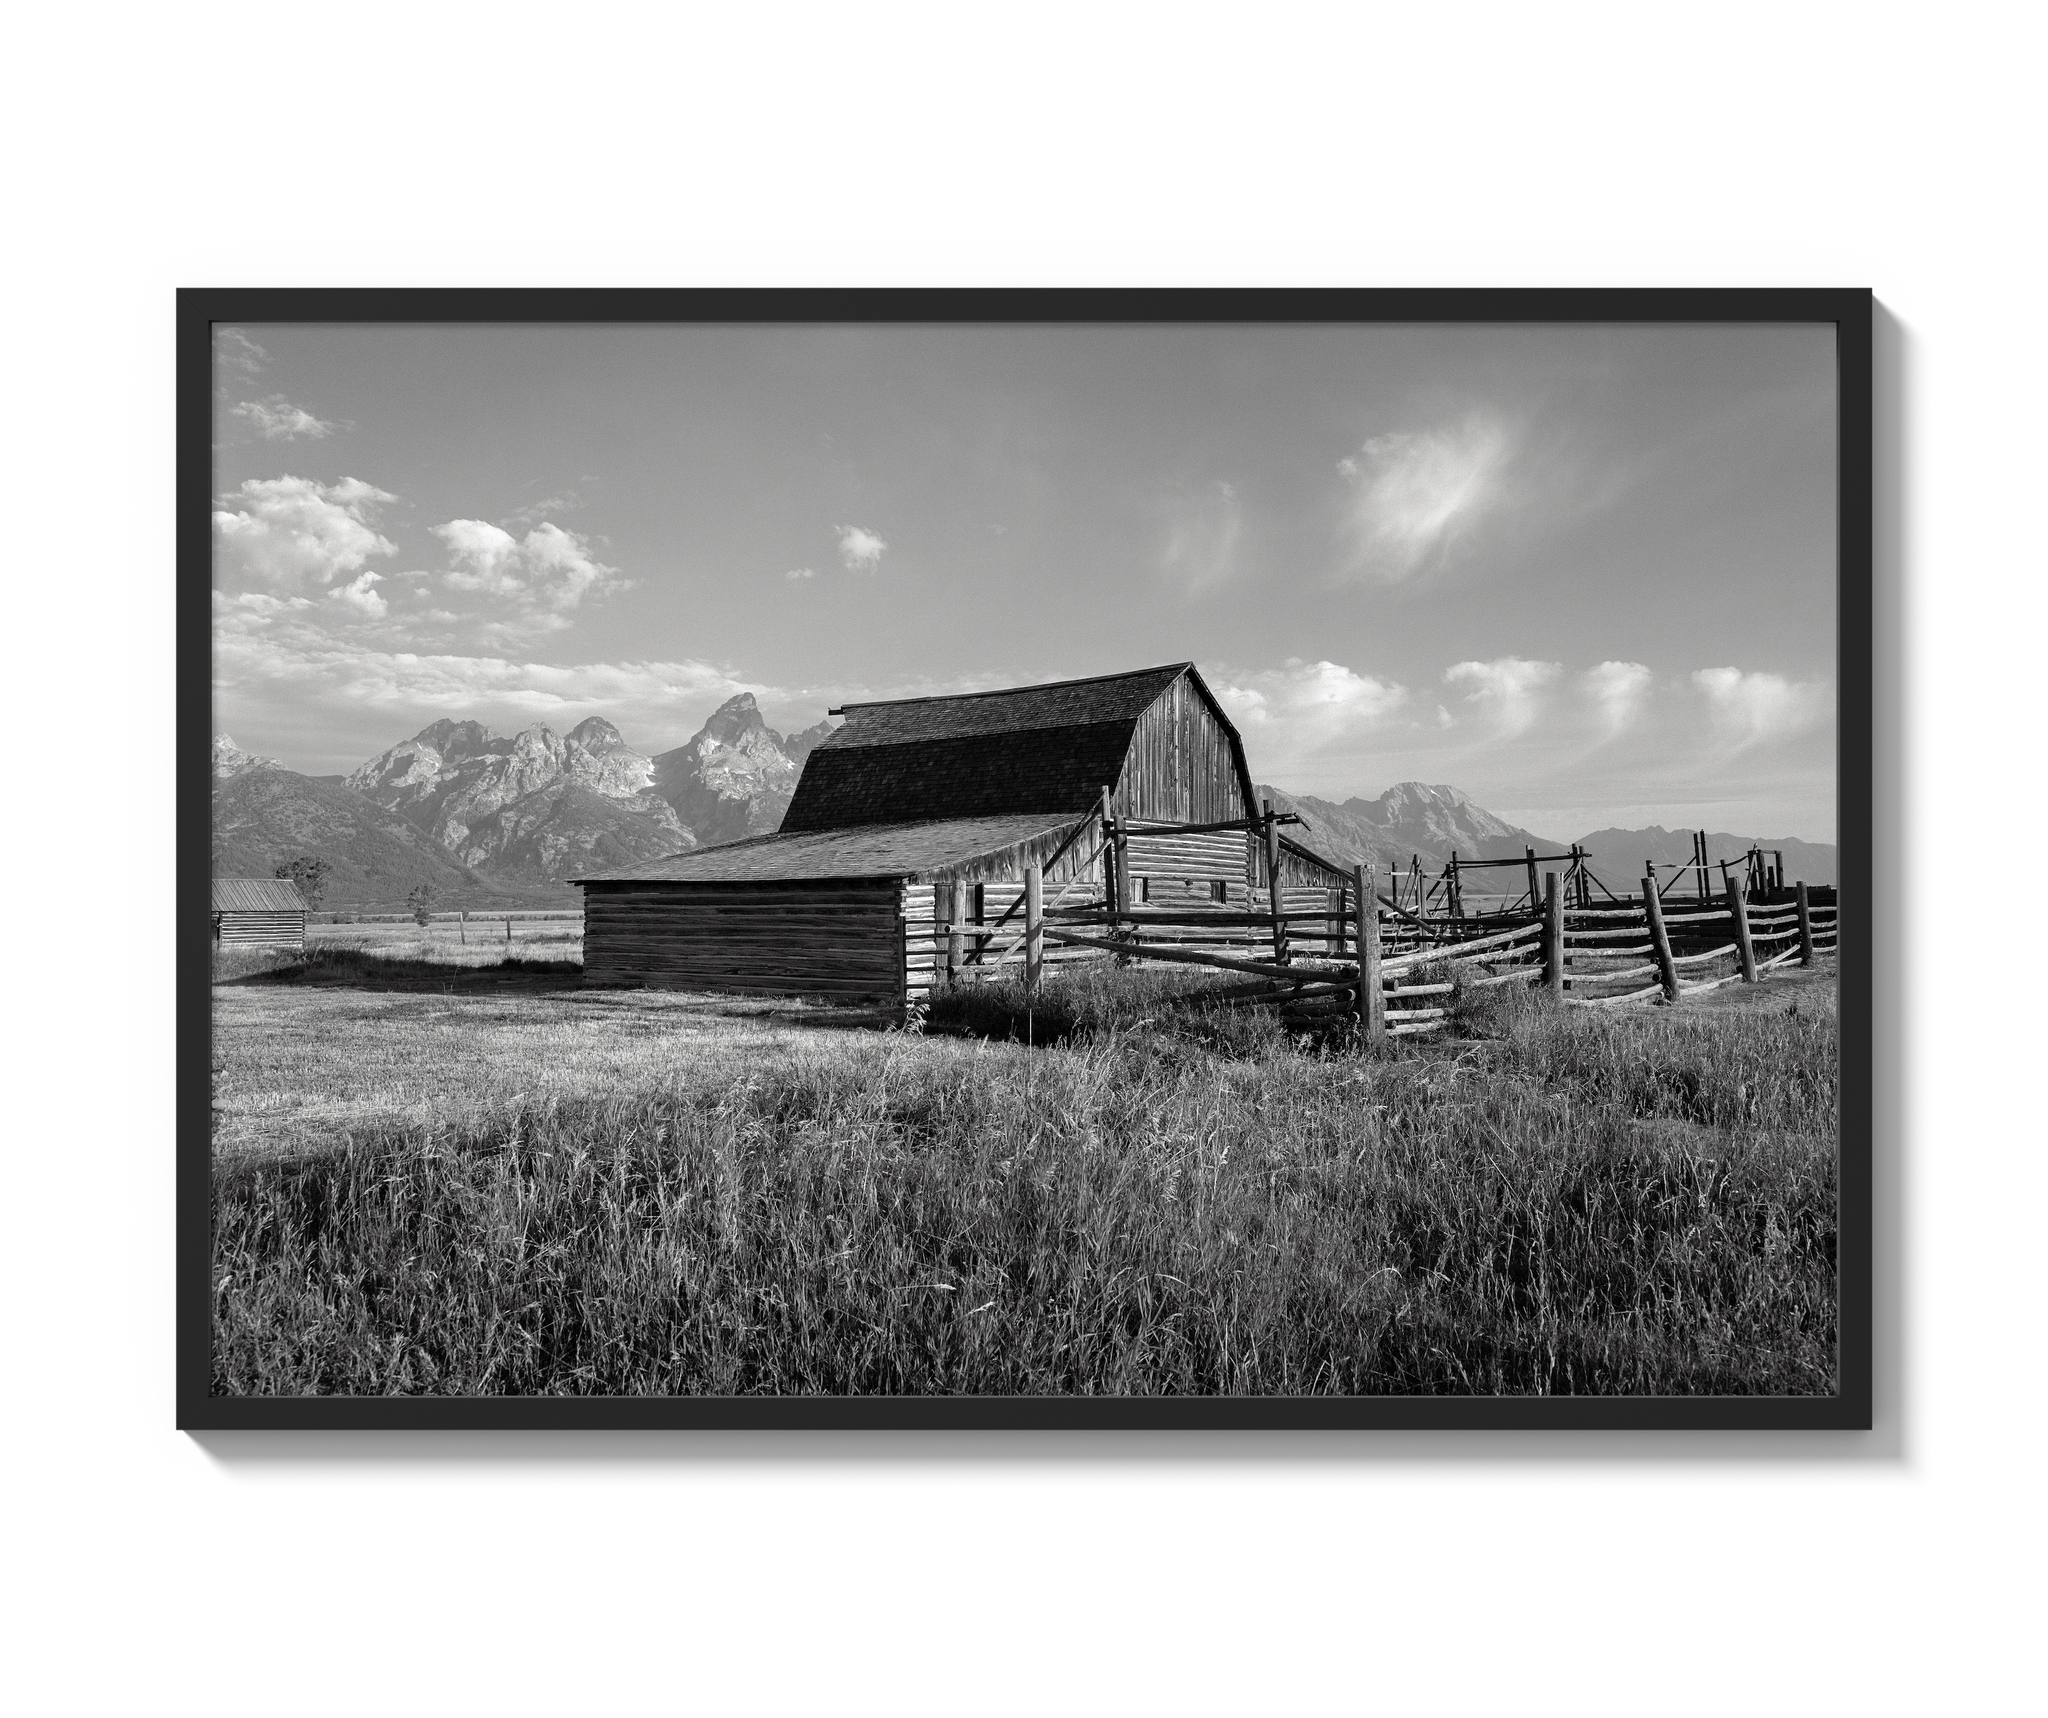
1508,691
254,603
358,597
290,532
860,548
1412,493
276,419
1749,708
795,573
1292,715
234,350
1203,525
544,573
1618,692
274,657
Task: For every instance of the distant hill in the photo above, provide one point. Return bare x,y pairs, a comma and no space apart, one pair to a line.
1415,819
1410,820
267,814
1617,856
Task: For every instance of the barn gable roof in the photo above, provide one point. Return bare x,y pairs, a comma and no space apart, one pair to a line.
257,895
911,851
982,754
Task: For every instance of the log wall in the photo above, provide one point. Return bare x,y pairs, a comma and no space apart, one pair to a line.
840,939
276,930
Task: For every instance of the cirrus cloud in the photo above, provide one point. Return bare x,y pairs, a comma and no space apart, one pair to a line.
1413,493
1203,525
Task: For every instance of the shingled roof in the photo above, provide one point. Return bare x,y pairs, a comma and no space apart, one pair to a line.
1024,749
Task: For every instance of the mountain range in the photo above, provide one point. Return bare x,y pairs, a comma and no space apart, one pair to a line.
485,817
489,820
1417,820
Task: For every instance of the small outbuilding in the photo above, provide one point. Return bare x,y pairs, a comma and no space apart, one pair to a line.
920,815
263,911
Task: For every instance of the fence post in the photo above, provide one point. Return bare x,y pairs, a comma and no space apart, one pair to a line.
1745,950
1370,1004
1553,936
1109,889
1273,890
1660,938
1457,894
1805,925
942,927
1034,927
1535,900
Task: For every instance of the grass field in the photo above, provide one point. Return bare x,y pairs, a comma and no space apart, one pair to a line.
459,1178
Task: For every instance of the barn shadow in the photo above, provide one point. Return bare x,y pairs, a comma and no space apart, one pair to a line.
351,969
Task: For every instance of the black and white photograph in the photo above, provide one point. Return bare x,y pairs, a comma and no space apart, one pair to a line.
1036,853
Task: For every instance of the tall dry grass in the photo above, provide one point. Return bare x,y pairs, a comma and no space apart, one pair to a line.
1580,1204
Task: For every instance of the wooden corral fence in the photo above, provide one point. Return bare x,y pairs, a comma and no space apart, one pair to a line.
1288,922
1444,893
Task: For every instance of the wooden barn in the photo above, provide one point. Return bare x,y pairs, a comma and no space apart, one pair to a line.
901,861
258,910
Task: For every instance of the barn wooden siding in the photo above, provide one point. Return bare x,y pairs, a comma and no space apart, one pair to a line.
275,929
836,937
1181,766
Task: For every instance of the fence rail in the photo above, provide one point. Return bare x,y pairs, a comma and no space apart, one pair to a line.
1294,927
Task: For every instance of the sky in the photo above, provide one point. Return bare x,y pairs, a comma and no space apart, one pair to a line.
1584,574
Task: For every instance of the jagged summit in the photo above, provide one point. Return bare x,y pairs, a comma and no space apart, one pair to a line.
230,760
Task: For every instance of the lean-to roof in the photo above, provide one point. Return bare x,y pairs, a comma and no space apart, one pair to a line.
912,851
257,895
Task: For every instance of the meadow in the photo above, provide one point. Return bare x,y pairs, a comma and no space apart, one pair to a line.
450,1176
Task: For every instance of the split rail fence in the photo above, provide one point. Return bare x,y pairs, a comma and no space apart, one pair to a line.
1305,948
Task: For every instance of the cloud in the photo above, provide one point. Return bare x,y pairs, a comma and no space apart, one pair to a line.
358,595
535,511
289,532
795,573
279,420
860,548
1618,691
234,350
1300,712
1508,690
1749,708
544,573
278,657
1204,524
254,603
1413,493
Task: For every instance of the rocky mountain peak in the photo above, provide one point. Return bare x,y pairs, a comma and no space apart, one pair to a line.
734,721
230,760
595,734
